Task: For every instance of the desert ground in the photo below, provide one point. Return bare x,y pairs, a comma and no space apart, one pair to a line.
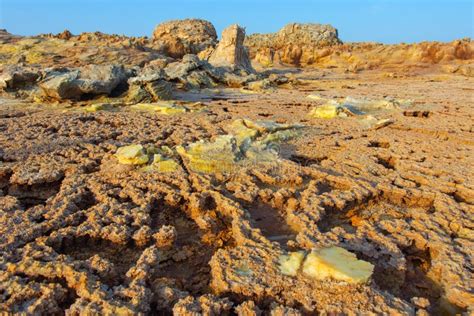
273,174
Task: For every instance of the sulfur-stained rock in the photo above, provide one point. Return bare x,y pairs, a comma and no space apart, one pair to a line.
160,163
248,142
132,155
209,157
327,111
336,263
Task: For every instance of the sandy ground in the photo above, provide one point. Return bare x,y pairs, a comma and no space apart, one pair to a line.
81,233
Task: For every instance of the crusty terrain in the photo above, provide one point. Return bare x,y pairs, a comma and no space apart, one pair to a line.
178,174
81,233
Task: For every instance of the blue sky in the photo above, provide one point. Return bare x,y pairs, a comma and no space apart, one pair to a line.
386,21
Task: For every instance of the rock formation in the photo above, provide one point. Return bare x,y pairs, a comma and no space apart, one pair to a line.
89,80
14,77
293,42
230,52
180,37
319,45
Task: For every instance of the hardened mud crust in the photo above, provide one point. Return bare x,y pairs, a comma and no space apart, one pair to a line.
81,233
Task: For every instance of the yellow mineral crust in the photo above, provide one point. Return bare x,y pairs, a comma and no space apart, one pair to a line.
217,156
132,155
247,143
162,164
246,130
242,132
333,108
338,264
290,264
165,108
326,111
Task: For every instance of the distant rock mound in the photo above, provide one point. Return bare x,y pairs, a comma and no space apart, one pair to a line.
307,34
230,52
181,37
293,44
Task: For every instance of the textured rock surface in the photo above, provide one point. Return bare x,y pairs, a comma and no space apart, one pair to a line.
82,233
304,48
231,52
89,228
181,37
293,44
14,77
88,80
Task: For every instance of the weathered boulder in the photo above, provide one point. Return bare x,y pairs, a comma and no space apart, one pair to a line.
180,37
149,85
191,72
230,52
15,77
148,92
89,80
180,69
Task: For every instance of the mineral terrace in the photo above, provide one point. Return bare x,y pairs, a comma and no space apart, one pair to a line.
273,174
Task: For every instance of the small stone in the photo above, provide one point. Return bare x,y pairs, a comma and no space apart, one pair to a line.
327,111
132,155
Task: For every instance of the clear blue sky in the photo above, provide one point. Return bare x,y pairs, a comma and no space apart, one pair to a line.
386,21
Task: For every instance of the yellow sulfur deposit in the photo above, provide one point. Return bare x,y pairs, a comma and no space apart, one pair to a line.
94,107
337,263
243,133
132,155
165,108
315,97
241,148
326,111
217,156
351,106
290,264
162,164
246,130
